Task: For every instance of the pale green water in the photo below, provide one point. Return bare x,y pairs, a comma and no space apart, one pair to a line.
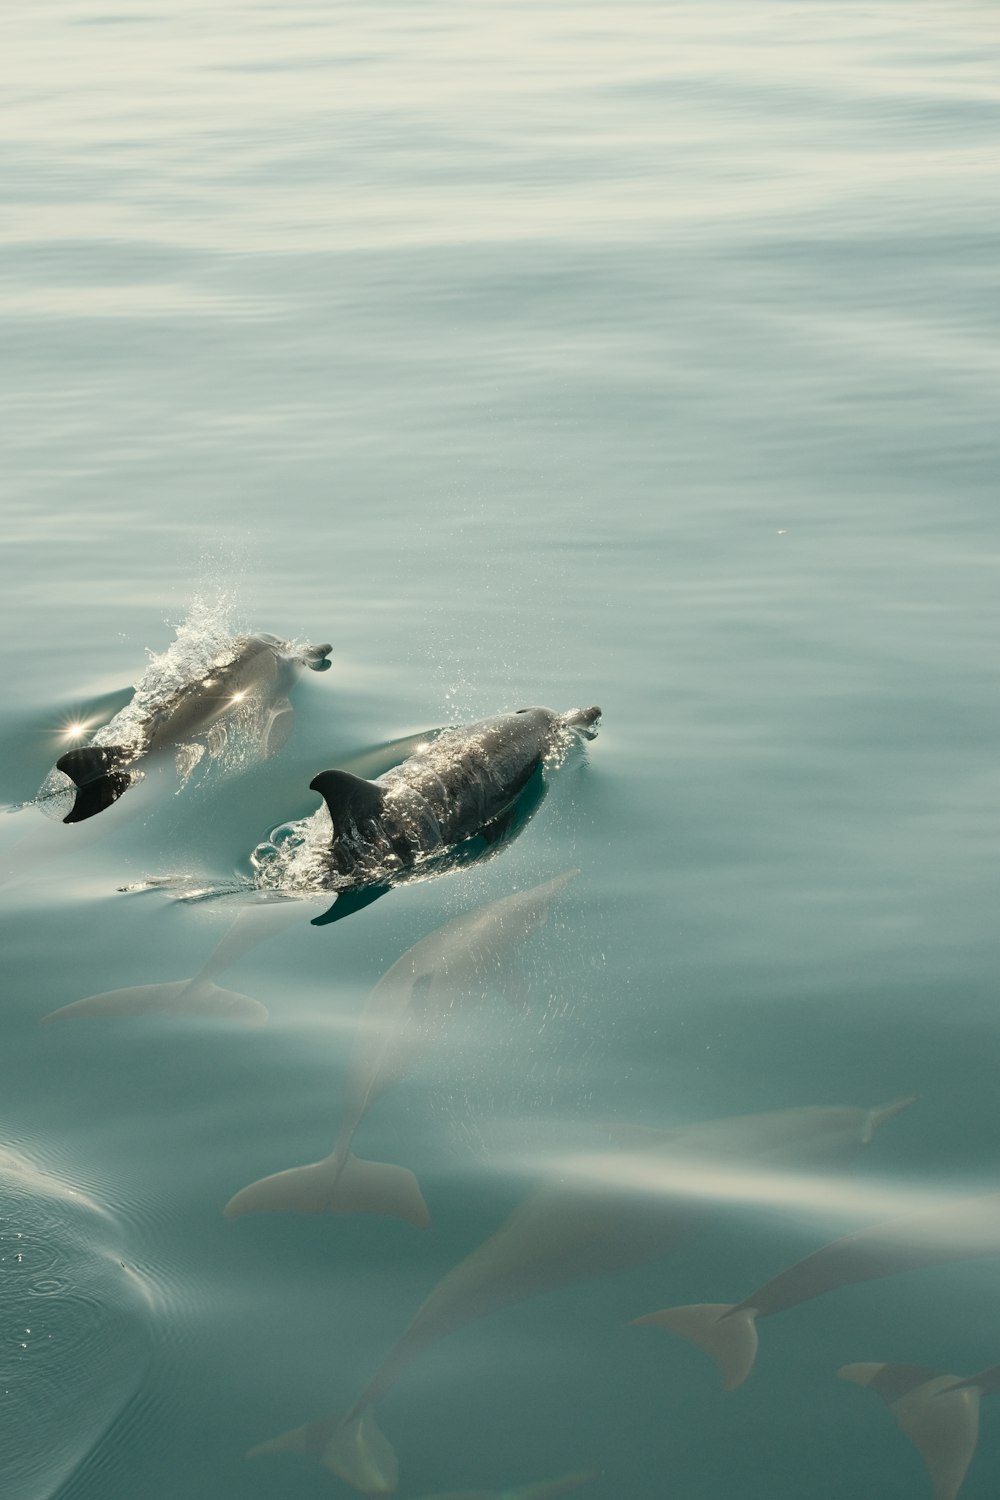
564,354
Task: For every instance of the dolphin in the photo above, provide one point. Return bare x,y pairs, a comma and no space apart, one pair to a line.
939,1414
172,707
959,1230
569,1230
403,1014
545,1490
260,918
453,799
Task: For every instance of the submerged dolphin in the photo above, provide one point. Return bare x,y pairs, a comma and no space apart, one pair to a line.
939,1414
454,798
566,1231
261,918
170,710
401,1016
728,1331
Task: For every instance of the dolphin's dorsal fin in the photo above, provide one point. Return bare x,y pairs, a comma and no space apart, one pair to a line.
90,762
98,783
350,799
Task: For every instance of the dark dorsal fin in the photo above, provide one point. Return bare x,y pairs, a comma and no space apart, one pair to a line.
90,762
98,783
349,798
94,796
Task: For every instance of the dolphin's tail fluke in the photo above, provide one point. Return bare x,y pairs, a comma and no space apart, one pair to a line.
94,770
724,1330
583,720
191,997
357,1451
336,1186
939,1414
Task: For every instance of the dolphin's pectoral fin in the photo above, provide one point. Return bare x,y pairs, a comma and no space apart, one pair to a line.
347,902
98,783
349,798
278,726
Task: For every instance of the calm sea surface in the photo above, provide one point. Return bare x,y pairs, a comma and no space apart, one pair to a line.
545,353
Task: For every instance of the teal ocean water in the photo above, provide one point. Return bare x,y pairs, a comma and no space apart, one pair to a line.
639,355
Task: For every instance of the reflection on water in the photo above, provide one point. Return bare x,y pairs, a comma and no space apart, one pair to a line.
75,1327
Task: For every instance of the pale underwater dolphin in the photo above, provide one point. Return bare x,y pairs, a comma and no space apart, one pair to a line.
939,1414
262,917
728,1331
546,1489
567,1231
403,1014
468,783
169,714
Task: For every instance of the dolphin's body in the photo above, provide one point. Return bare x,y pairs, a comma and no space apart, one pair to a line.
466,782
728,1331
563,1232
939,1414
169,712
402,1015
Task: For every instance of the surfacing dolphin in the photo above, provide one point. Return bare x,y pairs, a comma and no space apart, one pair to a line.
402,1016
939,1414
570,1229
247,681
959,1230
455,798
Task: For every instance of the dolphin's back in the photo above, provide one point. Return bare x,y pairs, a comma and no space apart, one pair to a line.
468,777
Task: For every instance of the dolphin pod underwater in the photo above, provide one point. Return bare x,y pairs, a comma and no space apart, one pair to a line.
185,707
569,1230
402,1016
960,1230
939,1414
